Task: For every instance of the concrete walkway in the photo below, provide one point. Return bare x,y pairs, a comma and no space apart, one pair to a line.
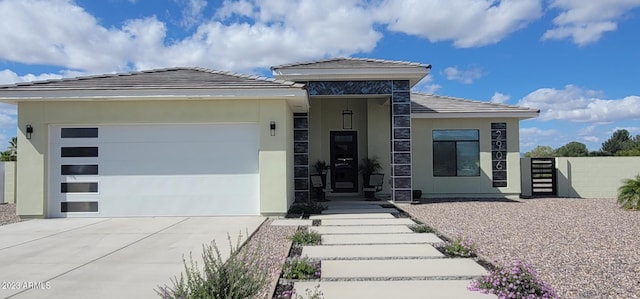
367,252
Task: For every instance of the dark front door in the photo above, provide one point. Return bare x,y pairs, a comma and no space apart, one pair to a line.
344,161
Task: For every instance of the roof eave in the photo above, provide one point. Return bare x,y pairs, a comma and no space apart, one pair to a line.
508,114
296,97
411,73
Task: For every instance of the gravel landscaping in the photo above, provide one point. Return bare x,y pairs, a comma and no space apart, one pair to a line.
584,248
274,243
8,213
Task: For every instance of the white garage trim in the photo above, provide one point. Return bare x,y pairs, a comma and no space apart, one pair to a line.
154,170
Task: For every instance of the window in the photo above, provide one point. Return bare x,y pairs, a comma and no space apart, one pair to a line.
456,153
79,133
66,152
79,169
78,206
90,187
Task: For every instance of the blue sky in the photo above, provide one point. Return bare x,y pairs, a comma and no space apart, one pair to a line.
576,60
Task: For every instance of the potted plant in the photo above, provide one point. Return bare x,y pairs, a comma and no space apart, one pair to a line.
321,169
367,167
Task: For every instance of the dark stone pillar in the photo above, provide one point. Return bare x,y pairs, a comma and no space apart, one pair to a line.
301,156
401,141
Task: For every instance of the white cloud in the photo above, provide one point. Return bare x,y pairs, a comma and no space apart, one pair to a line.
581,105
586,21
536,132
466,76
499,98
468,23
592,139
192,12
426,86
281,32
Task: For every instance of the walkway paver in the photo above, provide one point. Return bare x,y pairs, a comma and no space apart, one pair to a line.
372,251
361,210
353,216
452,268
355,239
361,229
357,222
291,222
366,252
408,289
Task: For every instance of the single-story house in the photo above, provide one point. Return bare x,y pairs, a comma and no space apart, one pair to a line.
192,141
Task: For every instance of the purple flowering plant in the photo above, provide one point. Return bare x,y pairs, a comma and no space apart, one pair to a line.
518,280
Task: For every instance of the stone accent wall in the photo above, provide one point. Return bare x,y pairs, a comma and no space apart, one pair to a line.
401,140
301,156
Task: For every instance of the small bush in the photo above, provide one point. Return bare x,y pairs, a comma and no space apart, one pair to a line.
519,280
302,238
629,194
300,268
237,277
309,208
462,247
316,293
421,228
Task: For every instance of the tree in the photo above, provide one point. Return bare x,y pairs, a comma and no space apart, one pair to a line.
11,154
540,151
572,149
617,142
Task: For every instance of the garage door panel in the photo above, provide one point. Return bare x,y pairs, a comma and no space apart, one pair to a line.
163,170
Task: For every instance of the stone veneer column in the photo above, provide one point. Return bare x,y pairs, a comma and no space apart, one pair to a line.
301,156
401,141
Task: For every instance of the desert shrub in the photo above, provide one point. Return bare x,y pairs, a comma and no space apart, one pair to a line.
421,228
519,280
237,277
462,247
308,208
303,237
300,268
629,194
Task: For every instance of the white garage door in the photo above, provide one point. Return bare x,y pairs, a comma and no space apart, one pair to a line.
154,170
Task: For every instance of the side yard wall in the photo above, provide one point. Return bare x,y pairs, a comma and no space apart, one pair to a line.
587,177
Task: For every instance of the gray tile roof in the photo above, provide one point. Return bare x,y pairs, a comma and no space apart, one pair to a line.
434,104
351,62
168,78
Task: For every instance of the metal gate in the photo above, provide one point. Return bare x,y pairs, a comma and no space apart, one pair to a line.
543,176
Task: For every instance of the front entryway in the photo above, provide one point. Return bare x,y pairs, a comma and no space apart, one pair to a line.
344,161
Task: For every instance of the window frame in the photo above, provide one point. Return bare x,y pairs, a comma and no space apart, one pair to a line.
452,140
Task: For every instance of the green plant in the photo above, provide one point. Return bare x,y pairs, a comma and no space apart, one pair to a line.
421,228
320,166
369,165
307,208
239,276
629,194
519,280
462,247
316,293
300,268
306,238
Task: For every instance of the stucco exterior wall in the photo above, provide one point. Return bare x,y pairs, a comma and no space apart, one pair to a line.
9,181
594,177
379,124
478,186
275,151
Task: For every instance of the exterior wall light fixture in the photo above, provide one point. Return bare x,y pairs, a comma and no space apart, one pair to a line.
29,131
272,128
347,119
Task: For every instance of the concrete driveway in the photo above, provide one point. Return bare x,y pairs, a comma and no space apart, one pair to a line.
106,257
